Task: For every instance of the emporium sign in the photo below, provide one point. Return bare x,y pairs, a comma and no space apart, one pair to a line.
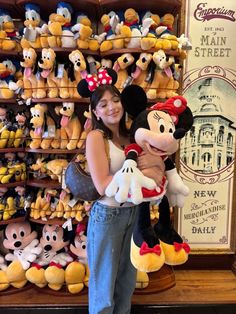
207,154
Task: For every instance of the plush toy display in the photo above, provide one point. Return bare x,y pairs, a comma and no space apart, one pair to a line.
59,27
44,130
163,83
34,35
47,268
8,32
71,125
158,132
121,67
140,73
131,19
78,73
115,33
8,77
75,271
57,83
33,84
21,240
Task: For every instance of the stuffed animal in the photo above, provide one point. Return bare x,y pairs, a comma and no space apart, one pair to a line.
8,34
120,66
115,34
166,40
141,72
131,19
45,270
33,84
71,124
57,82
8,70
75,271
84,35
21,240
43,125
59,27
150,21
4,283
43,205
163,83
34,34
78,73
157,131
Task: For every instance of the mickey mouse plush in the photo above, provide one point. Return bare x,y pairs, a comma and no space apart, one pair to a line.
156,130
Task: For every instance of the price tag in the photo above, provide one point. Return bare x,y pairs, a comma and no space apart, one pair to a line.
73,202
51,131
30,34
60,71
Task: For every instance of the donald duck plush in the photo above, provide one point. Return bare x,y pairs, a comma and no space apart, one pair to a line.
7,32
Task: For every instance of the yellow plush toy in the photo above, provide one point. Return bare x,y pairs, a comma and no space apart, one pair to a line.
115,34
120,66
163,85
71,123
43,132
84,35
8,33
79,72
166,40
57,85
34,33
140,73
8,71
33,86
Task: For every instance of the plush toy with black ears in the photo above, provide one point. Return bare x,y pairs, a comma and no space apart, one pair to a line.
157,131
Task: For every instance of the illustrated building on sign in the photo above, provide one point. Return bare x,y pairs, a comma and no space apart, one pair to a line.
210,144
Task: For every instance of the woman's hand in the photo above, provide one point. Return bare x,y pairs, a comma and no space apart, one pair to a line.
146,160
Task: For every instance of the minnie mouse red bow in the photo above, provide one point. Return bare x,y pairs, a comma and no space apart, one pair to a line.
179,246
174,106
102,78
146,249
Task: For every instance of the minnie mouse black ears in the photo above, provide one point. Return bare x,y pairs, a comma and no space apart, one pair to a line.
88,85
134,100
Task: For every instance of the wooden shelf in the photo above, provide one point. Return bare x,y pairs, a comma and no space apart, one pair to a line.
156,6
12,150
44,183
7,53
66,51
54,221
118,52
56,100
52,151
8,101
12,220
13,184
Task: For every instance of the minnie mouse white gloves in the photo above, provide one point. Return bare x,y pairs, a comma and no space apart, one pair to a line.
127,183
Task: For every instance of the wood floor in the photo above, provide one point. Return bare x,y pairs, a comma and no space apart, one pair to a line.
196,291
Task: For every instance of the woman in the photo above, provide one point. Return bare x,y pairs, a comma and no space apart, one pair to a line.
112,276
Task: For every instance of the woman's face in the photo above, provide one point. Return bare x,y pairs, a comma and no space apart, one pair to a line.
109,109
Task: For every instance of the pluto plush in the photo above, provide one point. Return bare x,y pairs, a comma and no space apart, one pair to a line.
71,124
43,127
156,130
121,67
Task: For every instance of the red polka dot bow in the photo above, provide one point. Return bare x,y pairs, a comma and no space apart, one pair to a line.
102,78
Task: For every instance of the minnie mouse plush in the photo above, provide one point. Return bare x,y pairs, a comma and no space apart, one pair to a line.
156,130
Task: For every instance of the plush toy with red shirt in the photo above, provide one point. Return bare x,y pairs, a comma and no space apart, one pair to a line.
156,130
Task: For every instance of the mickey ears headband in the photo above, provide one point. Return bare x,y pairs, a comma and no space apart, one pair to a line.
88,85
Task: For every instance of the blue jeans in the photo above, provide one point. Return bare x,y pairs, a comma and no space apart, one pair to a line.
112,276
